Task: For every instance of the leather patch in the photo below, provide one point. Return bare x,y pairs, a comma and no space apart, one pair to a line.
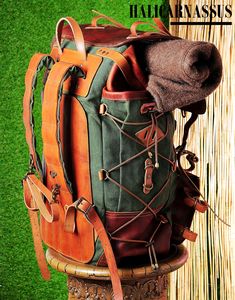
144,135
90,67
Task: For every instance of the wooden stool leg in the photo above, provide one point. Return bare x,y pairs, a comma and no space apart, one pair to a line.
155,288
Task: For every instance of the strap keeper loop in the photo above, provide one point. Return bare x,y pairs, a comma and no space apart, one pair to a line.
103,174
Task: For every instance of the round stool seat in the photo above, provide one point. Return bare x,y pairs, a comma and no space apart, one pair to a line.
86,281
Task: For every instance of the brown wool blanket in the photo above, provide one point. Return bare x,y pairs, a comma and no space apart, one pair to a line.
181,72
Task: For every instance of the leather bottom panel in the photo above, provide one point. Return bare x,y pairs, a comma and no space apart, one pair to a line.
131,245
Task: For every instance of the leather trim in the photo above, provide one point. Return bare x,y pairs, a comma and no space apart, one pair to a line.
126,96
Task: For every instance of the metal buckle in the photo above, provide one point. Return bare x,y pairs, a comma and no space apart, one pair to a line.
85,212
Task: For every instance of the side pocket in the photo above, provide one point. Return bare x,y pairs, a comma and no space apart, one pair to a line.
183,208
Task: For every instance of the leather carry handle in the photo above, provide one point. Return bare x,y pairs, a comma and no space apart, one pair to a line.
159,27
102,16
77,35
37,62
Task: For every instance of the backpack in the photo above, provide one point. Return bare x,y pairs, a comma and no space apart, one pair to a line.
110,188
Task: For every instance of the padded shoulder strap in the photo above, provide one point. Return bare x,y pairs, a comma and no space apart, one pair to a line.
54,160
37,62
51,121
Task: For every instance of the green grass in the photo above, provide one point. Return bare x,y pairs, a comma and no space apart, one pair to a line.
27,27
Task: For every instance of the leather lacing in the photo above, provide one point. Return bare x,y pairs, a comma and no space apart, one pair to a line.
106,175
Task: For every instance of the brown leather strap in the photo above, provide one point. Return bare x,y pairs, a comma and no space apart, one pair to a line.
37,62
122,64
161,26
102,16
90,213
36,233
77,35
133,28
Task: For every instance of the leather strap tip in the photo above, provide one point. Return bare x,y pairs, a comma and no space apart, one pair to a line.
199,205
70,228
46,275
189,235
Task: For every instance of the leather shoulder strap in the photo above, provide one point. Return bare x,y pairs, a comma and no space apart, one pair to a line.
90,213
51,122
37,62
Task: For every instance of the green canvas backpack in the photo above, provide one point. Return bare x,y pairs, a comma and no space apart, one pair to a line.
110,188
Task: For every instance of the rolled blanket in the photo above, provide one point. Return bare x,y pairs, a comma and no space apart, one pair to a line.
181,72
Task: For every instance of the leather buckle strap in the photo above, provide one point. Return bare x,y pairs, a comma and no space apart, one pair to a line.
84,206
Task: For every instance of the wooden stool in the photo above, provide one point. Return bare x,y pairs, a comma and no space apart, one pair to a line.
91,282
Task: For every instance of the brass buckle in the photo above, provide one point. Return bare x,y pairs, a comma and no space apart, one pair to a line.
87,210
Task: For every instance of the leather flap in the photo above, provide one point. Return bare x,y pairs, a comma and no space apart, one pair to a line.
110,36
